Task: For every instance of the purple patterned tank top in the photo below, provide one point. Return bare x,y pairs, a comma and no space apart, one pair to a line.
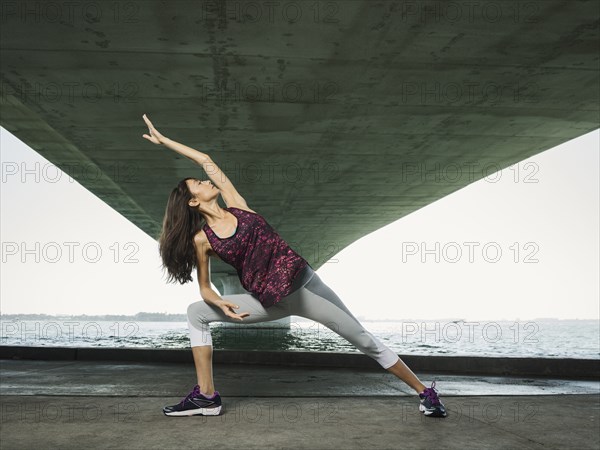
265,263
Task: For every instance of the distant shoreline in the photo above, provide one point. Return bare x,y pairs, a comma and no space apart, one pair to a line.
164,317
142,317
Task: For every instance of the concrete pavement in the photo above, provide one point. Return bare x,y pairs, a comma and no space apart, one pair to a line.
104,404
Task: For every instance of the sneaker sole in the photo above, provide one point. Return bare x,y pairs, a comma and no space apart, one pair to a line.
195,412
429,412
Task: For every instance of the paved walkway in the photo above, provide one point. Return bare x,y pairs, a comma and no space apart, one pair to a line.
70,404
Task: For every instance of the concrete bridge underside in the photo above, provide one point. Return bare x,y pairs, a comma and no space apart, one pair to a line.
333,119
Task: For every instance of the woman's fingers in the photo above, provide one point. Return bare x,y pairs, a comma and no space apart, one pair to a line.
154,136
151,128
152,139
228,309
234,316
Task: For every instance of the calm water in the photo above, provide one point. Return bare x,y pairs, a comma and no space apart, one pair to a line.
538,338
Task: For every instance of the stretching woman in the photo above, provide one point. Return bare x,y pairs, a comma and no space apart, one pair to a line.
278,281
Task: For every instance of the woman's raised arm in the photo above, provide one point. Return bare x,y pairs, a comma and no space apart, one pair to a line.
156,138
217,176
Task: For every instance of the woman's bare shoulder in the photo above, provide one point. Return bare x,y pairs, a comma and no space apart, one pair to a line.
200,237
201,242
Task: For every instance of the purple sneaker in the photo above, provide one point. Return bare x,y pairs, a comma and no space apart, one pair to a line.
196,404
431,405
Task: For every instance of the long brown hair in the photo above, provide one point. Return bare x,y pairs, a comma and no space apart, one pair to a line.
180,224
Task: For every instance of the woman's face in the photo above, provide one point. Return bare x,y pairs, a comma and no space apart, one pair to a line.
202,190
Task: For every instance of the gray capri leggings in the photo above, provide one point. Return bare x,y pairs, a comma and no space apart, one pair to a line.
313,299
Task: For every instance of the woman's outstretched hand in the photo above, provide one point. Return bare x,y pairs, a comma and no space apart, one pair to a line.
155,137
228,307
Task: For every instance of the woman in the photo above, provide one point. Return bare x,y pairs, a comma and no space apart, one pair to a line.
278,281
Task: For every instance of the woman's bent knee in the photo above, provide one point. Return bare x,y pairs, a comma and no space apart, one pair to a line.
197,319
198,312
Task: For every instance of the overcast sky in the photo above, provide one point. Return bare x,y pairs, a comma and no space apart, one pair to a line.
522,244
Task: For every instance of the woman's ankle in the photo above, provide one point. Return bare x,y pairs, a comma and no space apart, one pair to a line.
206,390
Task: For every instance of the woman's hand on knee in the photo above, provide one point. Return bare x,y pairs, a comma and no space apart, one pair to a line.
228,309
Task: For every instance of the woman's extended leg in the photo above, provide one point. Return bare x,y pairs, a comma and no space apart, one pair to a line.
318,302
